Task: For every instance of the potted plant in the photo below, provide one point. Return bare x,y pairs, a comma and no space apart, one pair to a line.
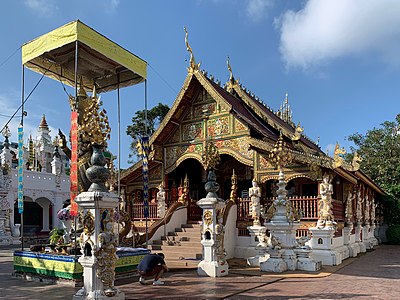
56,235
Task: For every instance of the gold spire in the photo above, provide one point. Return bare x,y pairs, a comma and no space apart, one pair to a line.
193,66
285,112
231,78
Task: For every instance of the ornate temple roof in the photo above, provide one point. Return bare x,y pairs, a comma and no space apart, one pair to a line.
265,125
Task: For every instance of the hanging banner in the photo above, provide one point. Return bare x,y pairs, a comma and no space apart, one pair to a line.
73,177
20,169
144,151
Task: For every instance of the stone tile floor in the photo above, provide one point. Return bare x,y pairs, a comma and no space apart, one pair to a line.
374,275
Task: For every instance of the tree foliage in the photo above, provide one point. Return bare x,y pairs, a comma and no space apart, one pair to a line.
138,128
380,151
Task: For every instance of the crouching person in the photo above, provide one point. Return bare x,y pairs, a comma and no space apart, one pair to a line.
152,265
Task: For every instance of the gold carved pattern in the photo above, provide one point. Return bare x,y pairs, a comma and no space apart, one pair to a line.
264,163
279,156
192,131
88,223
210,156
172,154
156,173
239,126
301,157
300,175
157,152
240,145
219,126
208,217
208,108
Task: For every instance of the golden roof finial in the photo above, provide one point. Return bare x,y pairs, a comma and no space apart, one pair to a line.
285,112
337,156
231,78
193,66
297,132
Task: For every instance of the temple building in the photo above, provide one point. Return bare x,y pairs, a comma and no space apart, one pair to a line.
231,121
46,184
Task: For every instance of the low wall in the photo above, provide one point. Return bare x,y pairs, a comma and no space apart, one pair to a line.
231,233
67,266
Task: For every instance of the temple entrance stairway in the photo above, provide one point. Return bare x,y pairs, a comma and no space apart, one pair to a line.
182,248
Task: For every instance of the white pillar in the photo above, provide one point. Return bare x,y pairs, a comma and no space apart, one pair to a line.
45,205
214,263
359,237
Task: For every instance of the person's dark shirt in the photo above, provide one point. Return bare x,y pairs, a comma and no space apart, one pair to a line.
149,262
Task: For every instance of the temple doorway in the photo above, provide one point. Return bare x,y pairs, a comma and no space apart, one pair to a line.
33,216
224,173
192,170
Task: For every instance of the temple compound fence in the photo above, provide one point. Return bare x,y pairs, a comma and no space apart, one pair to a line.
307,205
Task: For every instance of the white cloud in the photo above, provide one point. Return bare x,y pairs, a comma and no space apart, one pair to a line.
114,3
257,9
43,8
325,30
110,6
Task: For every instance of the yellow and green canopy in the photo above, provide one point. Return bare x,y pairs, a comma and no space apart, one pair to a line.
100,60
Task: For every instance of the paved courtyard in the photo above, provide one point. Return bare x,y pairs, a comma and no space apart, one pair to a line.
374,275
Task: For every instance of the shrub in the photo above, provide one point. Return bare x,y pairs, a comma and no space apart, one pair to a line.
393,234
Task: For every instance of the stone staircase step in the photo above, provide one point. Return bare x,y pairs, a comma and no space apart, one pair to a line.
178,248
182,246
178,242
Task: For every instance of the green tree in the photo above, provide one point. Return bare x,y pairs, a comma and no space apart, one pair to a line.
137,129
380,150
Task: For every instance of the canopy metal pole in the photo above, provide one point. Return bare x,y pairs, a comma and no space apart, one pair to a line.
76,107
119,141
119,154
22,123
145,130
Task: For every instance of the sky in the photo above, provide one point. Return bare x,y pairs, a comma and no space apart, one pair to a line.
338,60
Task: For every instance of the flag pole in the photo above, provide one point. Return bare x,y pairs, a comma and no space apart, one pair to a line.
21,210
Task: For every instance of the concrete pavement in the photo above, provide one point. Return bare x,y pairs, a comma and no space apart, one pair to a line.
374,275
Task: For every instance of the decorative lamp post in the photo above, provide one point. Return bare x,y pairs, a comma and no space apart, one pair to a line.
214,263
